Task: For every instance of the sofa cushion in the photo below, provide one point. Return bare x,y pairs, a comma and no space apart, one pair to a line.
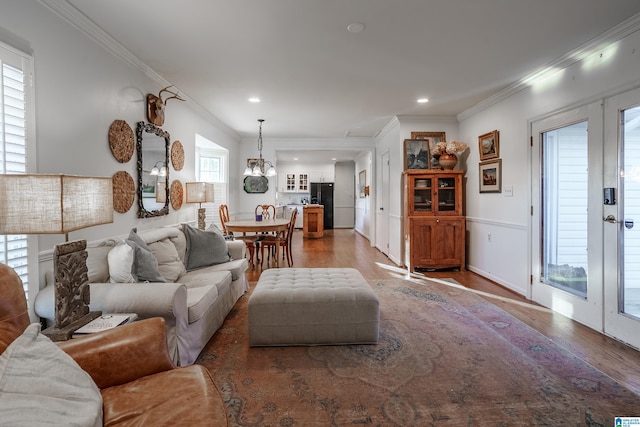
237,267
97,261
204,248
42,385
203,287
169,263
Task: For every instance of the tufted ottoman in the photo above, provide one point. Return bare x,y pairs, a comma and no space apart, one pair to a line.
311,306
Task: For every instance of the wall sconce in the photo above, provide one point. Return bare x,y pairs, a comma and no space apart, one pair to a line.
199,192
59,204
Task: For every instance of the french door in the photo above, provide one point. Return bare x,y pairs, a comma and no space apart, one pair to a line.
621,228
566,214
585,205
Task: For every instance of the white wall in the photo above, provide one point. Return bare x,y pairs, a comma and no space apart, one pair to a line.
80,89
506,258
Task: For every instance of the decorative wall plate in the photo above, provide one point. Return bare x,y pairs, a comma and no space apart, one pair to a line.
176,194
177,155
124,191
121,141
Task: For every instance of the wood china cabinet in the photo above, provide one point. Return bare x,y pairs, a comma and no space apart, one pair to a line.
434,225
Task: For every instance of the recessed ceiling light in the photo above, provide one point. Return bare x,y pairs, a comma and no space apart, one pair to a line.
355,27
334,159
254,99
423,100
295,158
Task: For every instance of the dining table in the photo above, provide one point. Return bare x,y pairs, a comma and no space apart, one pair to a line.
277,225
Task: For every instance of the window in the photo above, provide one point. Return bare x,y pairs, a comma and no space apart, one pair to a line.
14,73
211,165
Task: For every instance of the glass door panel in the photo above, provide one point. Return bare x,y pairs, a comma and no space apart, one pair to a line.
422,195
564,204
629,212
446,194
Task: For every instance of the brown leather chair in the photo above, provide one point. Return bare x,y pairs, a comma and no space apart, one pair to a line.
130,365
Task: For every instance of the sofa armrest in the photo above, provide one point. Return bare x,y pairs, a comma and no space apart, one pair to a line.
122,354
237,249
166,300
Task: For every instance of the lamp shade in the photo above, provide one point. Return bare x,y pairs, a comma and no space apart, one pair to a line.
199,192
53,204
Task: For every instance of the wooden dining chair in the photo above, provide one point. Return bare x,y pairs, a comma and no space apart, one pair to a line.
270,241
267,211
249,241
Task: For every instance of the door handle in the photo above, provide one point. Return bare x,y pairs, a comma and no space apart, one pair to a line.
381,209
628,223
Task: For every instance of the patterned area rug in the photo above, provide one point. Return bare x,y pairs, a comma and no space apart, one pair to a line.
446,357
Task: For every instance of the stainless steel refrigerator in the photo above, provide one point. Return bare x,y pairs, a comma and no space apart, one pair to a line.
322,194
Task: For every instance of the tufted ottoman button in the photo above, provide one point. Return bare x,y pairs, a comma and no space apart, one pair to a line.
312,306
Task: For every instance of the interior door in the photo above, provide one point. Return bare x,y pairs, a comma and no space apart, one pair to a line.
382,216
566,212
620,217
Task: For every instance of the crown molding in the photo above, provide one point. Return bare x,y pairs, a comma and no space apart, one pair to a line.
429,119
394,122
80,21
617,33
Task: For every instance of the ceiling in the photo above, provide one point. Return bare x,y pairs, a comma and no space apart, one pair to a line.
316,79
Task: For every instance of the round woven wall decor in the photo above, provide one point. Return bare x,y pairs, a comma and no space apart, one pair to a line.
121,141
177,155
176,194
124,191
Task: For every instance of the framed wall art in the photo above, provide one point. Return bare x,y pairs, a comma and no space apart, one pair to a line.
490,176
256,184
416,154
433,138
489,145
362,183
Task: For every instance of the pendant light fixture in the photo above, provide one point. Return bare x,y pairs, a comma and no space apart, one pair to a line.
257,168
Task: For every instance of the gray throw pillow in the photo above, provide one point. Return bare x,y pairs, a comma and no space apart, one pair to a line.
41,385
145,265
204,248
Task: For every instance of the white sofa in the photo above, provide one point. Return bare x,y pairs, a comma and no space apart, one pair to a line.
193,303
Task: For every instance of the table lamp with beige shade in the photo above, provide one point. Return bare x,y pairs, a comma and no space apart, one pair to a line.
59,204
199,192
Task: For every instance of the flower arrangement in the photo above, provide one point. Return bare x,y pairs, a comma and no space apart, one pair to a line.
451,147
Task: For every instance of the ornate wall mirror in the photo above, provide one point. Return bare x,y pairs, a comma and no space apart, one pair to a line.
152,144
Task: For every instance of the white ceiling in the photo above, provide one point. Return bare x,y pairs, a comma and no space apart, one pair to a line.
317,80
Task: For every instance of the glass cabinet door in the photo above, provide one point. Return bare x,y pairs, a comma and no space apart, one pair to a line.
422,195
446,194
291,182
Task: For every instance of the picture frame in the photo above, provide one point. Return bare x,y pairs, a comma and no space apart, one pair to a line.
256,184
490,176
362,183
417,154
489,145
433,138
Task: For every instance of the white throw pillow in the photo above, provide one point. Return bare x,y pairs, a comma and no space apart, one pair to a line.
41,385
121,263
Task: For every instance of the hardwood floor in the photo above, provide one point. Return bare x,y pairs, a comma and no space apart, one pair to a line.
347,248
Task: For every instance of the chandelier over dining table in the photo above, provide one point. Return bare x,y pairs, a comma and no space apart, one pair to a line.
258,167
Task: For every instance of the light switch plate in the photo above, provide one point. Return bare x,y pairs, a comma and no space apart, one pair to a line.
508,191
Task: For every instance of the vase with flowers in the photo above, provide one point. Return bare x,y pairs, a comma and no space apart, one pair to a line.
448,153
